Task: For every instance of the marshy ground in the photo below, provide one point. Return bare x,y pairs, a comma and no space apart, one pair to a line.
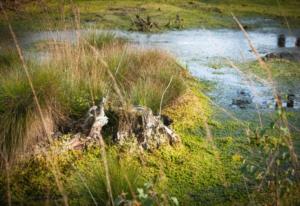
192,67
119,14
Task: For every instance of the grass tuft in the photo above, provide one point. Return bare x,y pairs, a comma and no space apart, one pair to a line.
89,179
72,78
105,39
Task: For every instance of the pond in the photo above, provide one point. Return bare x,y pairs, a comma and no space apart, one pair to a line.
206,54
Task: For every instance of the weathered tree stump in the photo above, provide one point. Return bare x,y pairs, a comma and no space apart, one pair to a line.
134,123
140,123
92,126
100,119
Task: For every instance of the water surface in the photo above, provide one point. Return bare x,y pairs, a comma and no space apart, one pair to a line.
206,53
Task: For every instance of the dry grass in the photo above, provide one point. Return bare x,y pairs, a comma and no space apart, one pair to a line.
73,78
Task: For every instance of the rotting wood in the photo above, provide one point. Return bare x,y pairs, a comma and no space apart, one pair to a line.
148,129
134,123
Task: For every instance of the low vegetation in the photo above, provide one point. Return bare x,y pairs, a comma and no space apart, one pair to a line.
121,14
220,160
77,76
284,73
216,163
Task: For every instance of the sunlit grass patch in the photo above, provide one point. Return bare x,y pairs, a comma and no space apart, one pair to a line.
105,14
89,178
108,39
19,118
73,77
284,73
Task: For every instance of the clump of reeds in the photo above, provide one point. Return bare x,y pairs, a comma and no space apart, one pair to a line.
19,118
89,180
105,39
8,60
74,77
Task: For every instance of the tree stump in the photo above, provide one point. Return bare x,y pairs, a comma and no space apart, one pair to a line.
124,125
140,123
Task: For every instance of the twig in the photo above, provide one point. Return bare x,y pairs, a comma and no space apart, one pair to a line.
86,186
272,160
247,190
163,95
117,69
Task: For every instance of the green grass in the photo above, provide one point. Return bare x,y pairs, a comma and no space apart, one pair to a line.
119,13
19,116
284,73
106,39
89,179
8,59
73,78
197,171
184,171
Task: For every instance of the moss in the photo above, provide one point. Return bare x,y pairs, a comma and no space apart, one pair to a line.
196,164
184,171
30,181
191,110
89,173
198,171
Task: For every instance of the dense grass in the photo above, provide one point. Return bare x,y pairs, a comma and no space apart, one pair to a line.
183,172
89,179
8,60
74,78
20,124
105,39
224,169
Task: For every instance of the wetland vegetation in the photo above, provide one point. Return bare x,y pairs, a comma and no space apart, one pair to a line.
135,103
